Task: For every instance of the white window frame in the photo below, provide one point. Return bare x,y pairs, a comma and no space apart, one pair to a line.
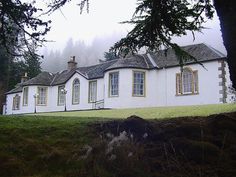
16,102
139,84
61,95
76,91
114,84
25,96
187,82
42,99
92,96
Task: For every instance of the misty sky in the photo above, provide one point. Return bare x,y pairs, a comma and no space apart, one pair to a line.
102,22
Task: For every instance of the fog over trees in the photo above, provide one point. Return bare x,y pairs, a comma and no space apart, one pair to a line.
85,54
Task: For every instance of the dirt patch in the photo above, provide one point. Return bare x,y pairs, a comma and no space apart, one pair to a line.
134,126
188,146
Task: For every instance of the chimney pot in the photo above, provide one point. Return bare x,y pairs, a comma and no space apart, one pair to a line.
24,78
72,64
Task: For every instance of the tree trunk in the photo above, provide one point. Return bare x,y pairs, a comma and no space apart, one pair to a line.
227,16
2,95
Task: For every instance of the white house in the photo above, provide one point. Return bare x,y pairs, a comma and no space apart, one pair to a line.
148,80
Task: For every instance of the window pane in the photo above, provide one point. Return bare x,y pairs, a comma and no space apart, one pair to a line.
61,95
16,102
187,81
195,73
114,84
42,91
138,85
92,91
25,96
76,90
178,84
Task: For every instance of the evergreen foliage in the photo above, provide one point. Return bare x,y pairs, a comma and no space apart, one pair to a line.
155,22
110,56
23,18
32,62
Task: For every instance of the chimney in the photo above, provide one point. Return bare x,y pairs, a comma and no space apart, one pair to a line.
24,78
72,64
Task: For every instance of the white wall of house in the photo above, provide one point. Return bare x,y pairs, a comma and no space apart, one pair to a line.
9,104
126,98
29,108
160,90
83,102
231,93
84,92
52,97
208,84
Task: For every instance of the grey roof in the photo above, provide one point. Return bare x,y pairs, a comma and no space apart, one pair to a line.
135,61
17,89
44,78
201,52
62,77
96,71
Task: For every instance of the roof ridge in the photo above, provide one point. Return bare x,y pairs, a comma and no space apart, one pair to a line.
192,45
215,50
56,74
85,75
151,60
144,60
98,64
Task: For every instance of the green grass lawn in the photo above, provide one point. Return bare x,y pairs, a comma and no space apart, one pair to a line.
42,146
153,113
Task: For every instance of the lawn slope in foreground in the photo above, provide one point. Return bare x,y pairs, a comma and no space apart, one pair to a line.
147,113
133,147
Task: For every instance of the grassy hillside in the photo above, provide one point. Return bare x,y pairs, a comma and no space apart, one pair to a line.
42,146
59,146
154,113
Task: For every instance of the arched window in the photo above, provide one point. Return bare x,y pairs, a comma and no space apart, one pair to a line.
187,82
16,102
75,91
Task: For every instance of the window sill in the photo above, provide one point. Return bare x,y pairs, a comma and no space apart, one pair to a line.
41,105
138,96
187,94
113,96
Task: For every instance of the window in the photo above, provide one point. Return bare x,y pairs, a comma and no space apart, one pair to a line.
92,91
42,96
195,81
25,96
75,91
138,83
187,77
187,82
16,102
114,84
61,95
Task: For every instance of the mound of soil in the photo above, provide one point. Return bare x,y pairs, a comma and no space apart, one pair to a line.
188,146
133,125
